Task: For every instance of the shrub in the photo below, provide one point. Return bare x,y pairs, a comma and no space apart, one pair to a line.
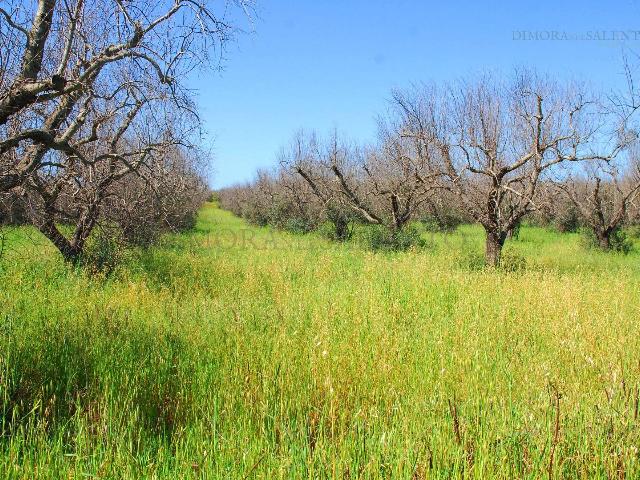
336,231
297,225
514,233
619,241
469,260
567,220
512,262
378,237
446,221
341,225
338,226
104,250
633,232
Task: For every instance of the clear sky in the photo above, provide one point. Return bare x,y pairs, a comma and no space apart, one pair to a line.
316,64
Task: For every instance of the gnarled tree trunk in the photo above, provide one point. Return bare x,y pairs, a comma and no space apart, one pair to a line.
604,238
70,252
493,249
341,228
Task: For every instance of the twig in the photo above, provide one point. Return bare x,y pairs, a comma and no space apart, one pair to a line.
456,421
255,465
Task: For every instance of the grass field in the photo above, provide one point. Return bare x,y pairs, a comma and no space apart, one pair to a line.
238,352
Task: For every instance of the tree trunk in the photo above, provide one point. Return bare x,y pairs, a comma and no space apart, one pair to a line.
341,229
8,182
69,251
604,239
494,244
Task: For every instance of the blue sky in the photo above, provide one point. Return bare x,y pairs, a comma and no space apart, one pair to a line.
320,64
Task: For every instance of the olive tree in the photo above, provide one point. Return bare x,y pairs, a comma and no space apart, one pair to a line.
382,184
497,140
603,196
92,92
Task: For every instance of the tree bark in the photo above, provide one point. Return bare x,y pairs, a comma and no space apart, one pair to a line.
604,239
69,251
494,244
9,182
341,229
26,88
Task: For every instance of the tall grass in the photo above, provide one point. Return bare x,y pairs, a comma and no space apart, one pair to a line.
241,352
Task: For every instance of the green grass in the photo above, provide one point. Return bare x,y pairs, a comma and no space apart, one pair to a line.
240,352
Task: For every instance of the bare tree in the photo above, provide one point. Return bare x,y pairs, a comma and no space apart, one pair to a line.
303,159
121,134
92,93
55,52
604,192
496,141
382,185
603,196
161,196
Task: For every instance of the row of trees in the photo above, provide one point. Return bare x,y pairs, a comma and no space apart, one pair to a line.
96,124
492,151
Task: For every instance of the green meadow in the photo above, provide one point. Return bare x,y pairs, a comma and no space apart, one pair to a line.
240,352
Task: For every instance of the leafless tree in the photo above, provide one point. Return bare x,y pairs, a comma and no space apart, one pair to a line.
122,133
603,195
55,52
383,185
304,159
162,196
496,141
279,198
91,93
602,192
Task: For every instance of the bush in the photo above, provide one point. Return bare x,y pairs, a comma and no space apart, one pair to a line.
514,233
338,230
633,232
567,220
297,225
619,241
378,237
469,260
327,230
104,250
285,216
446,221
512,262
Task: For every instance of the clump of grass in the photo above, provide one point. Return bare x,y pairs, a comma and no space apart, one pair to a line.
512,261
382,238
291,356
